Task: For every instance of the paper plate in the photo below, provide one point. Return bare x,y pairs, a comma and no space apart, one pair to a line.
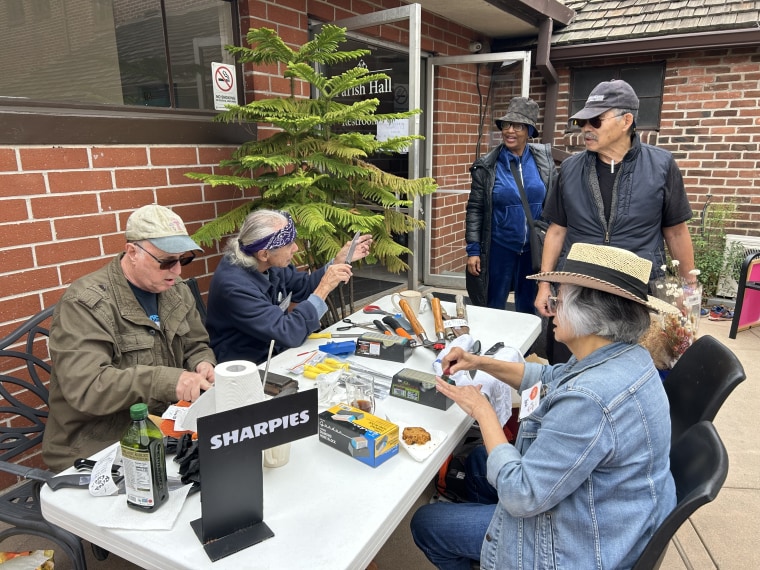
421,452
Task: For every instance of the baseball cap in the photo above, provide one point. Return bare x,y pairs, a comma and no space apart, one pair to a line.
161,227
615,94
521,110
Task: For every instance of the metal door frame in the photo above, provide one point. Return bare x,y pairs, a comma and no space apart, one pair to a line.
455,281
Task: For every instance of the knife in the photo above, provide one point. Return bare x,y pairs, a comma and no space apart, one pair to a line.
352,247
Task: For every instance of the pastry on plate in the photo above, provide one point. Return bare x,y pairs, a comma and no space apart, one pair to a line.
415,435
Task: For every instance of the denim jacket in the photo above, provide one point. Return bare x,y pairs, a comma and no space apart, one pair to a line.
588,480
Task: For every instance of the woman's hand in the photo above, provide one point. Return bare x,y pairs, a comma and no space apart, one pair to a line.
458,359
469,398
473,265
363,245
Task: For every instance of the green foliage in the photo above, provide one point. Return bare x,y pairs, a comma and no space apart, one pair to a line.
711,257
321,177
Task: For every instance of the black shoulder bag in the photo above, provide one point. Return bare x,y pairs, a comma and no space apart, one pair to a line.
536,228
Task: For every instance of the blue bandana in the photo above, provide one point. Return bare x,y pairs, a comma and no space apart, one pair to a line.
280,238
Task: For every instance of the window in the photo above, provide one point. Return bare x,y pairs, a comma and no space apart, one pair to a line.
646,80
140,53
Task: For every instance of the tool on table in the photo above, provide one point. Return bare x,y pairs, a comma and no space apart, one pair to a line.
398,329
88,464
328,334
351,324
269,359
416,326
494,349
352,248
383,328
435,306
448,332
375,310
462,314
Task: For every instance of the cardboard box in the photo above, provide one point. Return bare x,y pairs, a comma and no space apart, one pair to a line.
370,439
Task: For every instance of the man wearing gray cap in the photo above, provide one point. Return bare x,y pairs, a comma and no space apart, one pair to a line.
126,333
619,192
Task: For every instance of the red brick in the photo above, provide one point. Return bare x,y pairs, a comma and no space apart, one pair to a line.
177,175
13,211
70,272
30,280
84,226
62,251
24,233
167,156
107,157
8,160
214,155
58,158
21,184
126,200
113,243
140,177
16,259
57,206
80,180
11,309
179,194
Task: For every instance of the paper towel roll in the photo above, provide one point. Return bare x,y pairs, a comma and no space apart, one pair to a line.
237,383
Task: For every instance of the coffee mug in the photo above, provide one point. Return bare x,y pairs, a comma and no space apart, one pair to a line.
414,298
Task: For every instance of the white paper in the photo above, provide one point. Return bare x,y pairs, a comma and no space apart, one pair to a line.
101,481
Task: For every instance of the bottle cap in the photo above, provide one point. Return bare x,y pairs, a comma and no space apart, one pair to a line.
138,411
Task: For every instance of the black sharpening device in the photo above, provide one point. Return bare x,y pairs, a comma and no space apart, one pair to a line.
417,386
386,347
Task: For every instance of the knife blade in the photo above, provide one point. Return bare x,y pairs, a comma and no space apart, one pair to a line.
82,480
352,247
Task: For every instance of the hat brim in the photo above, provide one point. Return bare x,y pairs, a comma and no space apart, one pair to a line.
590,112
175,244
651,303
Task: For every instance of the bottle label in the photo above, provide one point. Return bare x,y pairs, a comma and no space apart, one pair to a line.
138,477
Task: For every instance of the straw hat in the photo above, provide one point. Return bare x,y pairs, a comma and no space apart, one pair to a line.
610,269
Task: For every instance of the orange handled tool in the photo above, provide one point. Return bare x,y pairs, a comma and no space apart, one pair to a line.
435,305
416,326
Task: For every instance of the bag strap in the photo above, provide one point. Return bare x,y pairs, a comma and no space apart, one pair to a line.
518,180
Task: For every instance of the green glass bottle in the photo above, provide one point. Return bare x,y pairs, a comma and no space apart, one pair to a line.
144,456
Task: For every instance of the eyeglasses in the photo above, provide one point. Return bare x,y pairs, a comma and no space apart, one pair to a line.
596,122
552,303
517,127
168,263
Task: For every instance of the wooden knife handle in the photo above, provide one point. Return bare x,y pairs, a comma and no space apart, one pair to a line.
435,305
411,317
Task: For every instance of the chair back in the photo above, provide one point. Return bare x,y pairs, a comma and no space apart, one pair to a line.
699,464
200,305
700,382
24,372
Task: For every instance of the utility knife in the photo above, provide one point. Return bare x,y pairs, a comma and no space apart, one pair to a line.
352,247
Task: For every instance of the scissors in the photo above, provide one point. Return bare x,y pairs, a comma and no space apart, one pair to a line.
375,310
352,324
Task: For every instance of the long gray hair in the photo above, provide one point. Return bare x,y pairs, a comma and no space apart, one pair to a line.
258,224
590,311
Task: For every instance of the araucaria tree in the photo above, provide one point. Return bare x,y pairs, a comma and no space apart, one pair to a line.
311,167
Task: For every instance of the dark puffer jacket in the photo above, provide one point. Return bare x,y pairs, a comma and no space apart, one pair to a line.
478,226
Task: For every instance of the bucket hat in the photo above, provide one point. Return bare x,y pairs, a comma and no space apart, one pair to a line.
615,94
161,227
609,269
521,110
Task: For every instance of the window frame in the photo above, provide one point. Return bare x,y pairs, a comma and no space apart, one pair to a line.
46,122
575,102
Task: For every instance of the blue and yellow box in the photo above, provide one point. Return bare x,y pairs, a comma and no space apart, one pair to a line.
363,436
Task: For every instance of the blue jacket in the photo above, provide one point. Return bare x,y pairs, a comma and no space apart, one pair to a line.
244,313
588,480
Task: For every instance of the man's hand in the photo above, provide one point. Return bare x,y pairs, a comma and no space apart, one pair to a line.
473,265
190,385
206,369
542,299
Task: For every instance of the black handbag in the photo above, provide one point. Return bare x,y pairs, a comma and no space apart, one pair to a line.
536,228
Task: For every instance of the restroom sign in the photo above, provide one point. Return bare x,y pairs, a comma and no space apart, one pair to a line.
225,88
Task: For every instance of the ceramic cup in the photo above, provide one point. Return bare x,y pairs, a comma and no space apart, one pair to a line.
277,456
414,298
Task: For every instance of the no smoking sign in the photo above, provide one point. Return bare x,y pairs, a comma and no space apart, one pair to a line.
224,80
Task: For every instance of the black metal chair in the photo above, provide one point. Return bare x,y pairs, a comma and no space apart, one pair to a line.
699,464
23,356
201,306
700,382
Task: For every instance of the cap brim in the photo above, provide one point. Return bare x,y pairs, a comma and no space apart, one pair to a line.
652,303
590,112
175,244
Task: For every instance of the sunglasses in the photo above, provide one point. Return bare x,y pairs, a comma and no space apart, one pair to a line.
596,122
517,127
165,264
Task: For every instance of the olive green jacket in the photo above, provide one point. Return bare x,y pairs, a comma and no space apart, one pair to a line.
107,355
